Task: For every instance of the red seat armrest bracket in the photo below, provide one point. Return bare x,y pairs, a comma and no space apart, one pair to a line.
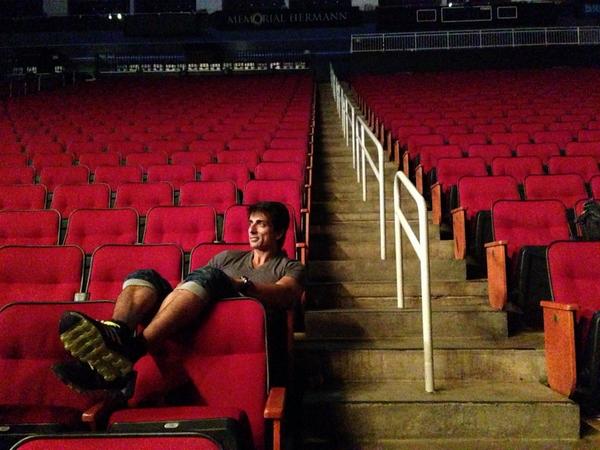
560,350
274,411
496,272
436,203
460,233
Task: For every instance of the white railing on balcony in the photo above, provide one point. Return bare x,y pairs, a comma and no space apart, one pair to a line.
357,131
473,39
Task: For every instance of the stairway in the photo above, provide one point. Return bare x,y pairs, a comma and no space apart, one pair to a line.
361,358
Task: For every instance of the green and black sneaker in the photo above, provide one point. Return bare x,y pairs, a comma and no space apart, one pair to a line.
109,347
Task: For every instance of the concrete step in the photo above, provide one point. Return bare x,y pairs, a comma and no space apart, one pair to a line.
323,246
367,230
369,270
466,321
413,301
321,292
336,363
369,413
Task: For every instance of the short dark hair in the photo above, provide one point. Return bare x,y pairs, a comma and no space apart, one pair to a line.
277,213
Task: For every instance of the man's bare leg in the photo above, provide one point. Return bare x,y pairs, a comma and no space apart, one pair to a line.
135,304
180,308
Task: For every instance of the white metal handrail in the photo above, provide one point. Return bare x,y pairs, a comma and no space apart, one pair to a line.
357,131
473,39
421,247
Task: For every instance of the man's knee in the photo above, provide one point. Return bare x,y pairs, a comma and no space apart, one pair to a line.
148,278
210,280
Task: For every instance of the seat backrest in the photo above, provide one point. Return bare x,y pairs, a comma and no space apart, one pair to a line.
226,361
542,150
213,147
479,193
114,176
273,155
464,140
247,157
112,263
80,147
51,160
17,175
532,222
141,441
489,151
186,226
143,196
125,148
450,170
23,196
588,136
218,194
35,148
94,160
174,174
560,138
166,147
53,176
595,187
146,159
35,227
68,197
236,172
585,166
429,155
512,139
256,145
288,144
574,269
28,349
414,142
569,188
518,167
90,228
13,160
197,158
280,171
40,273
584,149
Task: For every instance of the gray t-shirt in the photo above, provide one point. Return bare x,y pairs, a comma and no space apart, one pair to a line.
236,263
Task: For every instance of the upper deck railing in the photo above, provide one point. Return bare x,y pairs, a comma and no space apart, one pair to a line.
474,39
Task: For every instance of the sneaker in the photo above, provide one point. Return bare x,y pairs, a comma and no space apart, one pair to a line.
81,377
110,348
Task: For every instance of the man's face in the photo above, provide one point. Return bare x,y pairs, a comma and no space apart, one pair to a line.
261,233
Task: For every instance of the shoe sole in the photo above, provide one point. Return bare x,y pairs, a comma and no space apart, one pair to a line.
85,343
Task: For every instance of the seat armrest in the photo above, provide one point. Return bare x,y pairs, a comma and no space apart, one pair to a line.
460,232
97,415
436,203
496,274
274,411
406,166
418,178
560,347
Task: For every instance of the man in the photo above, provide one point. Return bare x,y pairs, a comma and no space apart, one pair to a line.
105,351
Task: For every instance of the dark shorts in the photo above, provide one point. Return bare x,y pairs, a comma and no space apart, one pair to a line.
214,281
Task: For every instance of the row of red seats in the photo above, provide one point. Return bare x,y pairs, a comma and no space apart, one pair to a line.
230,168
220,369
185,226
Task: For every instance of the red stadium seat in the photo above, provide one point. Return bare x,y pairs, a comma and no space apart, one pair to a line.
143,196
13,160
225,361
517,167
40,273
174,174
23,196
197,159
94,160
144,160
54,176
585,166
36,227
218,194
17,175
68,197
247,157
114,176
186,226
90,228
544,151
112,263
489,151
522,231
569,188
34,401
236,172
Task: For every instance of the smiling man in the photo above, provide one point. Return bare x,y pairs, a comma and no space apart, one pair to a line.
105,351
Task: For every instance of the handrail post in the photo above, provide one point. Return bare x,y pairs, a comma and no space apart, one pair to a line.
381,200
421,247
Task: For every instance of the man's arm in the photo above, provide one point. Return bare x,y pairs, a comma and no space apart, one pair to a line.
281,295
